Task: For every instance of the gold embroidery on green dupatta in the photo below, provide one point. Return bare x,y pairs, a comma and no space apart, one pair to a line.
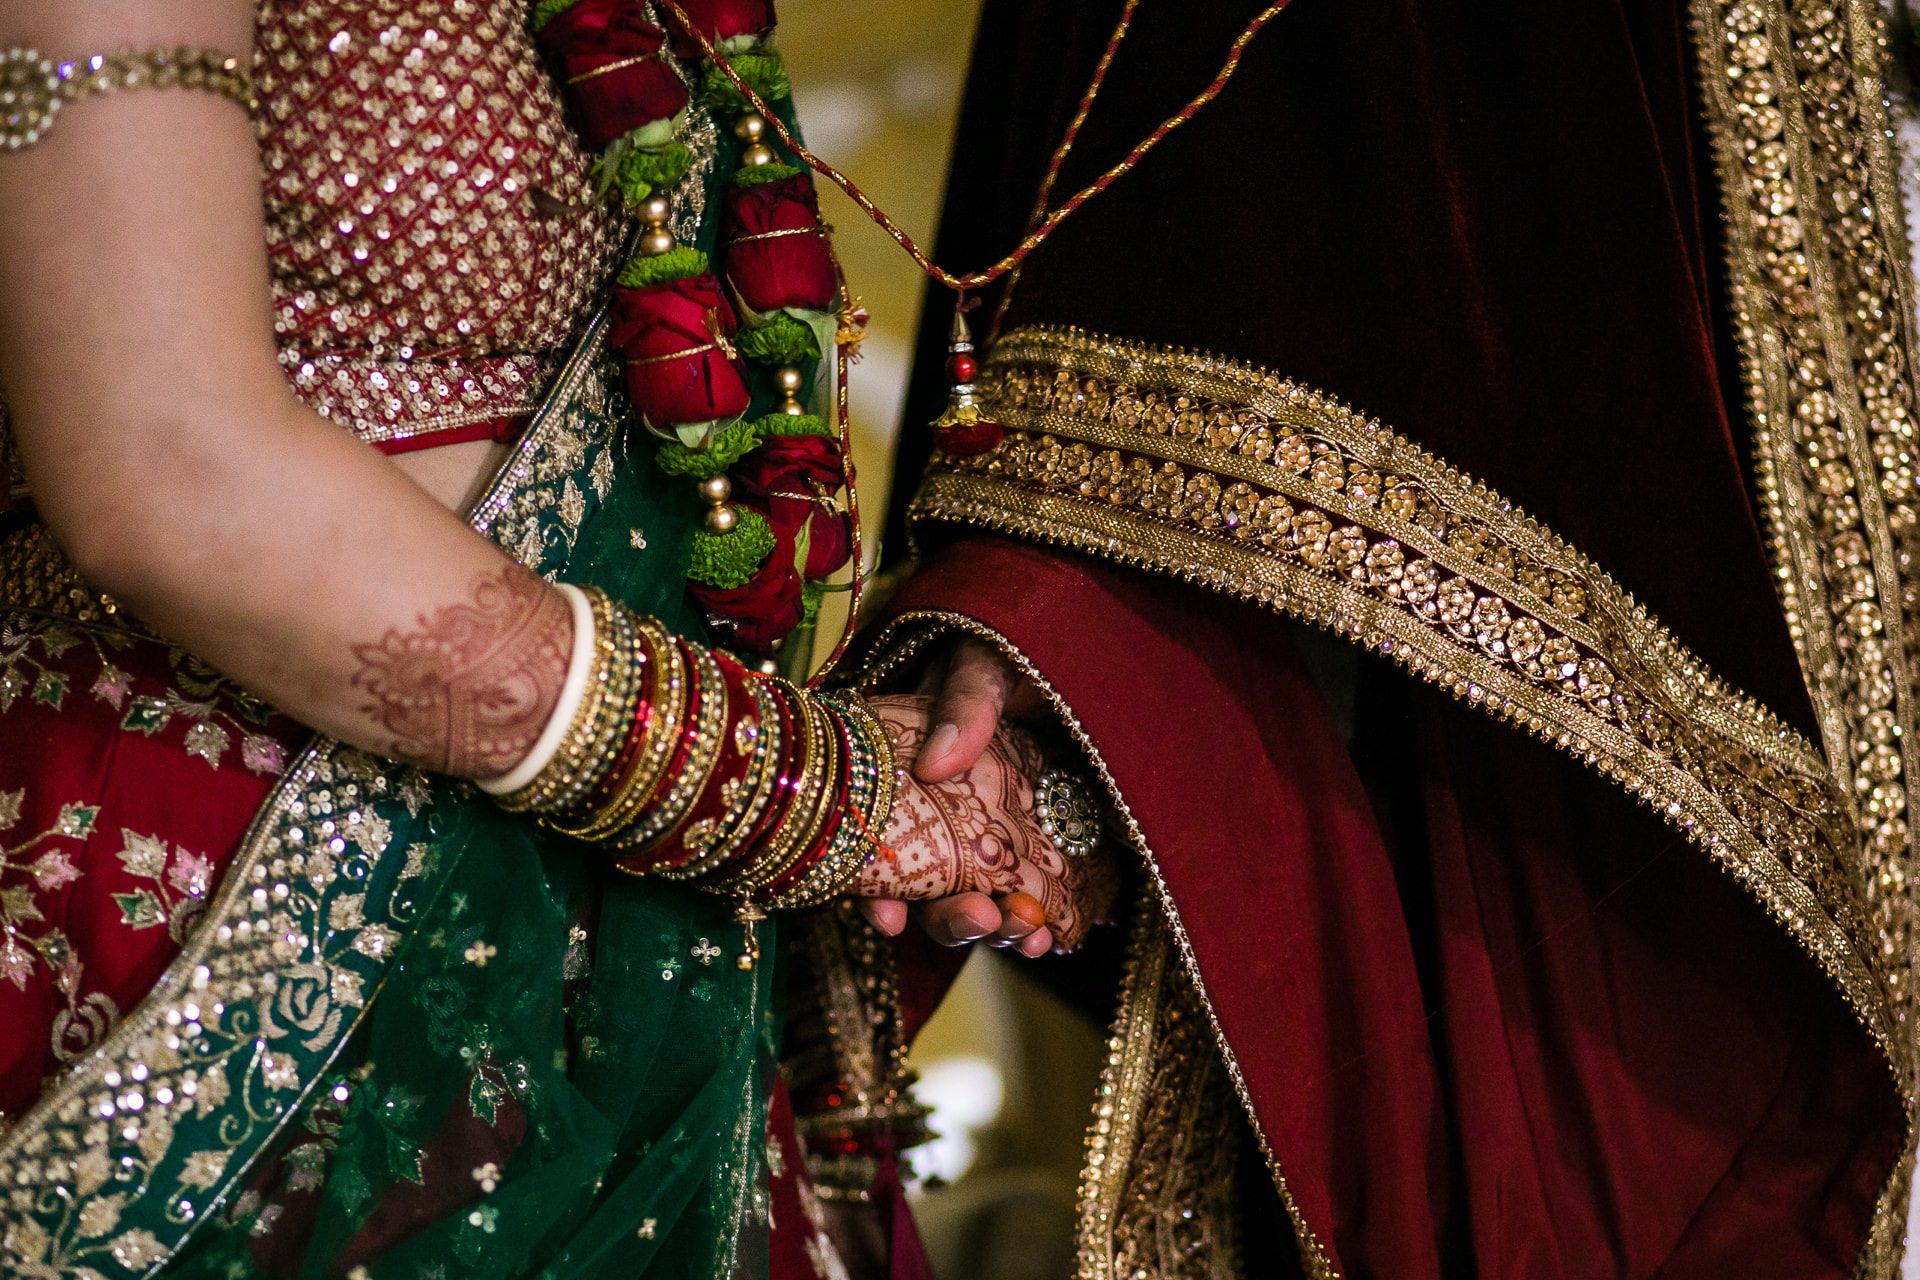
225,1048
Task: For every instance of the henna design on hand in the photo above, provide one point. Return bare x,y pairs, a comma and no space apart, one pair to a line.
978,831
470,689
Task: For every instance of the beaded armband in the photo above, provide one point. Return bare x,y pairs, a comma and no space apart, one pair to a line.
686,765
33,88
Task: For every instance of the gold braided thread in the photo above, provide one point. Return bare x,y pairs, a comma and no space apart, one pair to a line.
34,87
1032,239
821,229
621,65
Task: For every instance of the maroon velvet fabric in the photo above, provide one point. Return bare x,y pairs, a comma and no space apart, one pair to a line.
1495,1020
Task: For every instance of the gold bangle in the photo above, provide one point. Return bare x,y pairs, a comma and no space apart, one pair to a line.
665,670
885,780
869,791
614,717
33,87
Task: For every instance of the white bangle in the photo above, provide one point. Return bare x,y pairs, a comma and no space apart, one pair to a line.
572,690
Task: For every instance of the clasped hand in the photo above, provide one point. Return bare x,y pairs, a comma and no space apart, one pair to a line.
963,843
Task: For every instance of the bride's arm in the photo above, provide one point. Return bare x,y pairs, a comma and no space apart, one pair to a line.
167,455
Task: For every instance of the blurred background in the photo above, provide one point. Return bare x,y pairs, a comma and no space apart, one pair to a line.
1008,1069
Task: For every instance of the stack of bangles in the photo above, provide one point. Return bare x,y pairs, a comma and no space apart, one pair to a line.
690,767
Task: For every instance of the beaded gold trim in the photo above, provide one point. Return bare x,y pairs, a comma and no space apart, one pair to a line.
1817,263
1821,297
1157,1195
1233,478
34,87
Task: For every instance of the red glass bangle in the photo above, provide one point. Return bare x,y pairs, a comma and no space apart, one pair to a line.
645,859
792,769
722,787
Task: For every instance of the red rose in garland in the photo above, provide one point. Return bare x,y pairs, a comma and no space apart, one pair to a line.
679,357
766,608
794,479
721,20
614,69
777,251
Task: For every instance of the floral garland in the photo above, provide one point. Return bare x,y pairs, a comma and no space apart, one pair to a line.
698,336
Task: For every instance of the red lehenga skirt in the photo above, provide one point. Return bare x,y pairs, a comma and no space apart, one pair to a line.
1556,923
130,771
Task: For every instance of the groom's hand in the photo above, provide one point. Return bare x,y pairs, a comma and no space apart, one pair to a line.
973,689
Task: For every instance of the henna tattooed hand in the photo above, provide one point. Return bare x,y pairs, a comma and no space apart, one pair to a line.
976,833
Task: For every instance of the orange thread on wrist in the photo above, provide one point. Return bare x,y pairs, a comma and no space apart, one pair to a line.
880,846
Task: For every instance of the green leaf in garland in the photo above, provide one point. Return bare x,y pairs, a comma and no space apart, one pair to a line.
755,175
764,73
728,560
545,11
695,435
792,424
780,339
654,137
682,262
640,170
732,443
802,547
811,594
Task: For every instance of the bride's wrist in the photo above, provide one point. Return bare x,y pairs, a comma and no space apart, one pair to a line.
688,766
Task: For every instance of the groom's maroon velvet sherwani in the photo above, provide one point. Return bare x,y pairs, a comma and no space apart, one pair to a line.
1560,364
